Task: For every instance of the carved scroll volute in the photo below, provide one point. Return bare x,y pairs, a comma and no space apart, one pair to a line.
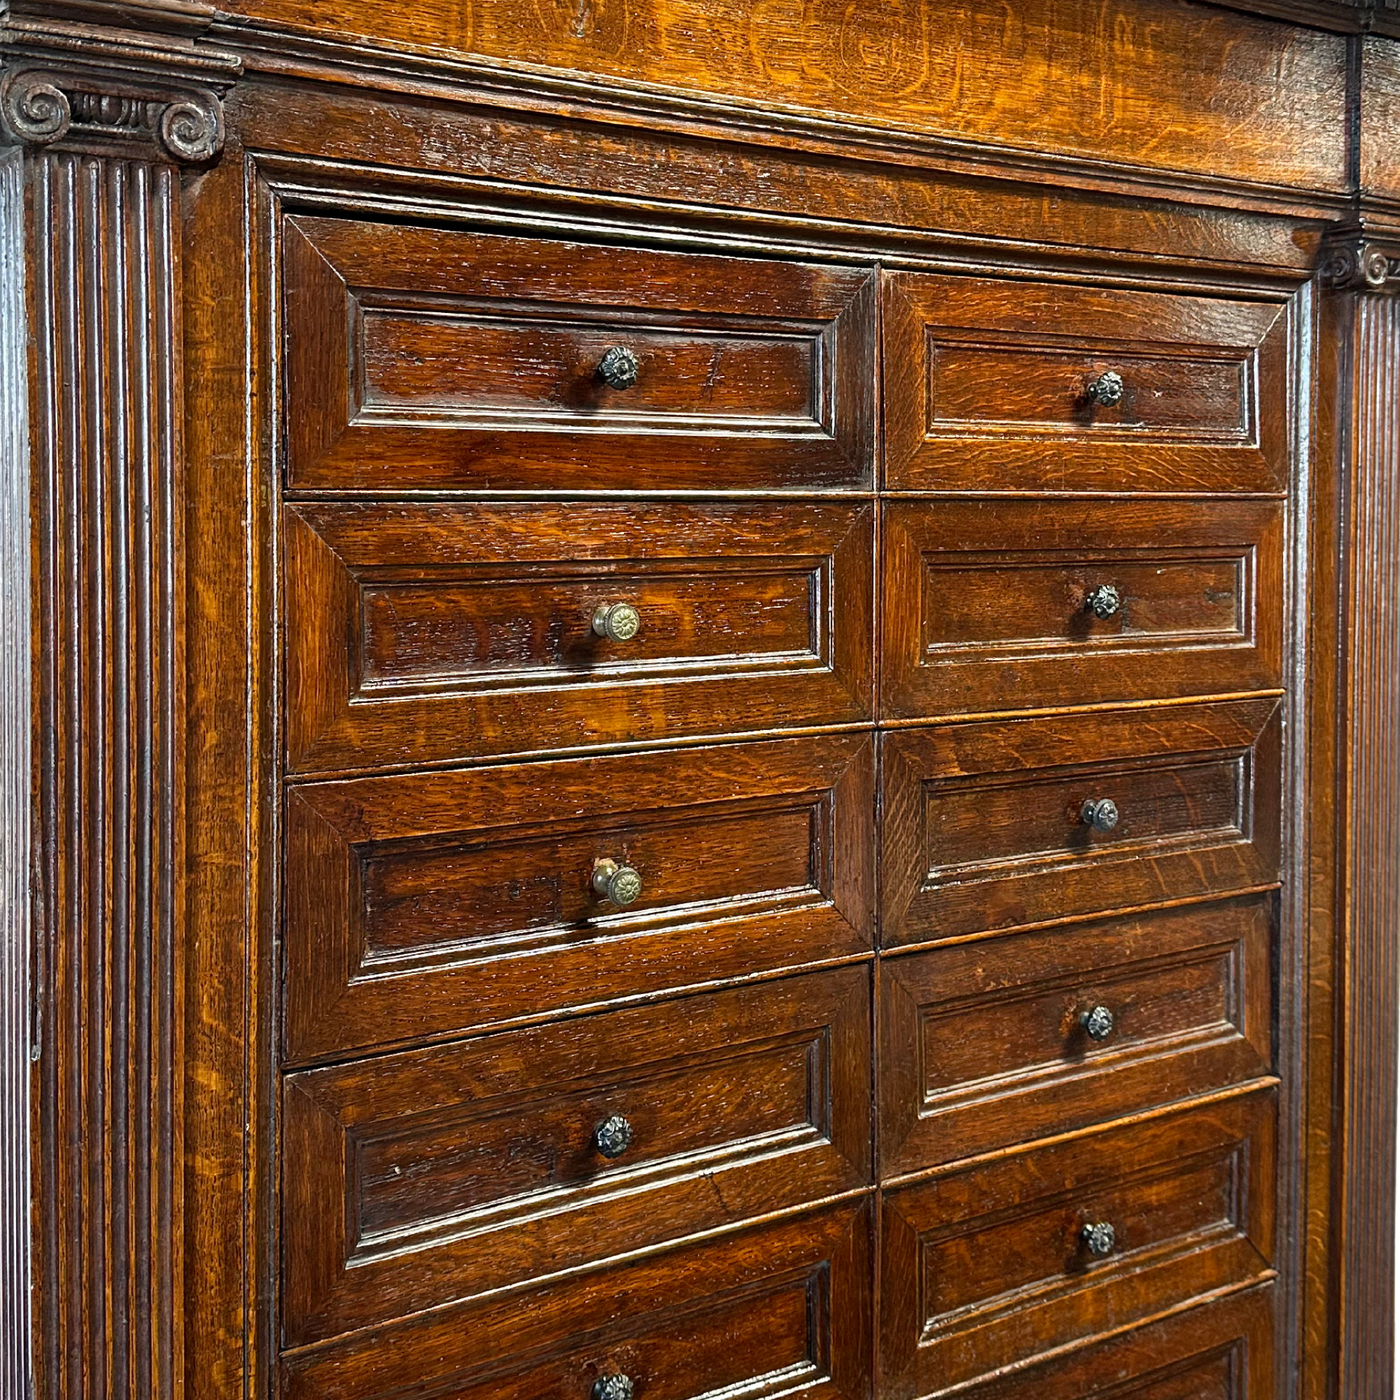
1360,264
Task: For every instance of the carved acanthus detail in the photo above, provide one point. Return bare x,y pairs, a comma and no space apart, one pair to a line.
43,107
1362,264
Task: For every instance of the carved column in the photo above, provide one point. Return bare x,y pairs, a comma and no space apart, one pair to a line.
104,121
1363,275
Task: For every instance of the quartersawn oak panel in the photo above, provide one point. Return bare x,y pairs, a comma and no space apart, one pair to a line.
433,903
986,602
1222,1350
431,1175
1160,85
986,388
430,632
986,1267
982,821
422,357
783,1309
983,1044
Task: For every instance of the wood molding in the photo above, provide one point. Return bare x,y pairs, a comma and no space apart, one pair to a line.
1356,262
104,253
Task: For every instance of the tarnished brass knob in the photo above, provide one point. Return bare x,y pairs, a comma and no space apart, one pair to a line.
1101,813
618,622
612,1388
1099,1238
1098,1022
1107,389
619,367
618,883
613,1136
1104,601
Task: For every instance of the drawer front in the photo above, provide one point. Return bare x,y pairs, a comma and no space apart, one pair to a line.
994,605
415,1179
988,825
987,1044
781,1310
428,358
1217,1351
433,903
998,385
991,1266
433,632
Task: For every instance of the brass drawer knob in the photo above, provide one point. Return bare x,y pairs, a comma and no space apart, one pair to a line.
1107,389
619,367
1098,1022
1104,602
618,883
1101,813
612,1388
618,622
613,1136
1099,1238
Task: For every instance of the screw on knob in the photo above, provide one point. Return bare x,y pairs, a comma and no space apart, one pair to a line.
618,883
619,367
613,1136
1098,1022
1100,813
618,622
612,1388
1107,389
1104,601
1099,1238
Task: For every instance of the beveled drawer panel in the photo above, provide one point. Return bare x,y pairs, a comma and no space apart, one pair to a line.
1222,1350
999,385
987,1044
421,357
431,903
990,605
443,1173
991,1265
430,632
779,1310
987,825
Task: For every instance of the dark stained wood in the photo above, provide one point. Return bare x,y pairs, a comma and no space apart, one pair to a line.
988,388
984,1045
438,902
982,823
986,602
433,632
768,1310
419,1178
984,1266
423,357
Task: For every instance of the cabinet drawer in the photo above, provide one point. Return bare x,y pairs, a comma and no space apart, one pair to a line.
431,632
781,1310
431,903
996,605
987,1044
992,1265
999,385
431,358
414,1179
1216,1351
1002,824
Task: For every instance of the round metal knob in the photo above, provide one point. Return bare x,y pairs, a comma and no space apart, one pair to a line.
1100,813
619,367
612,1388
613,1136
618,883
1099,1238
1098,1022
1104,602
618,622
1107,389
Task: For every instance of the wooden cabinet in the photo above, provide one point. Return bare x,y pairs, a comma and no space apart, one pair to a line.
706,694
